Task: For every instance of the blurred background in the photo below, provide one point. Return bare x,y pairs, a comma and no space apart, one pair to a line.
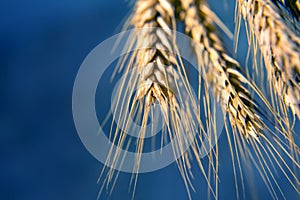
42,45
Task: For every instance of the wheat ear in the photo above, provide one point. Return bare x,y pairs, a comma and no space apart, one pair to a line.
280,47
224,75
223,72
156,75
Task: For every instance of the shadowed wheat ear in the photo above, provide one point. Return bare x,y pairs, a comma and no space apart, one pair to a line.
280,47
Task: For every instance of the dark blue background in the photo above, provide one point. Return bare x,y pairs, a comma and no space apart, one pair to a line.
42,45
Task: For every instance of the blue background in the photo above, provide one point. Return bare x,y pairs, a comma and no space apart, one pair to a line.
42,45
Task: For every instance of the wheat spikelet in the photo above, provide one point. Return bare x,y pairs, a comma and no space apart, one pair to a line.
280,46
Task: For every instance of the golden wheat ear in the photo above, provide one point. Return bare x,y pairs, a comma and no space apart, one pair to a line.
221,73
279,44
270,32
224,75
154,75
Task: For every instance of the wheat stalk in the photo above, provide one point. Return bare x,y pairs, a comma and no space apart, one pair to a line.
280,46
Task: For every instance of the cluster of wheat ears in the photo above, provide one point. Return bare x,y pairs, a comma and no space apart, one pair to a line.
260,113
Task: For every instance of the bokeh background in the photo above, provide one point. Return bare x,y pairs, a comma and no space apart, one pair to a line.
42,45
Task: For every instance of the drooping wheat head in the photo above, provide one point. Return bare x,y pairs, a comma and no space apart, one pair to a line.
279,44
278,40
155,74
224,75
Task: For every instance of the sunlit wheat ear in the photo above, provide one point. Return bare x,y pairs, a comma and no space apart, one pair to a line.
154,75
254,142
221,72
279,44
